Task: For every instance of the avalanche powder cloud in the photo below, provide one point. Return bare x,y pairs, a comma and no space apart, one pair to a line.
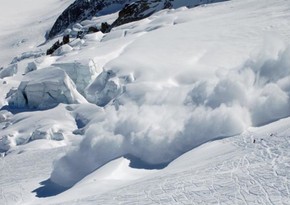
168,124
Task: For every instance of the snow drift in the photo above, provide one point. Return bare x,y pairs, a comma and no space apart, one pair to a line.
157,131
8,71
21,128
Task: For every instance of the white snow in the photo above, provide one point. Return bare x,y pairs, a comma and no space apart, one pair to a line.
8,71
64,49
186,86
231,170
24,24
21,128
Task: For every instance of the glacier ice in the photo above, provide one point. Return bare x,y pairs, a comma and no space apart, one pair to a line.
82,72
45,88
104,88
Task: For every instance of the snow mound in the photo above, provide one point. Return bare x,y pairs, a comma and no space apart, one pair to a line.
28,54
21,128
5,116
46,134
82,72
8,71
45,88
76,43
11,140
166,123
31,66
97,37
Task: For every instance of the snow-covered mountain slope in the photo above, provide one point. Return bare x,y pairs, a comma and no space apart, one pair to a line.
149,94
177,77
129,11
229,171
24,24
81,10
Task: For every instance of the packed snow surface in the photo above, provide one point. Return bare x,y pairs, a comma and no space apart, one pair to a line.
98,111
230,171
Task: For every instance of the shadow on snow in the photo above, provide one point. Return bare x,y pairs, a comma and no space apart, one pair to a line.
48,189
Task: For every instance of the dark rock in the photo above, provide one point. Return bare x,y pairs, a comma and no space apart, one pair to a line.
167,5
80,34
141,9
55,46
81,10
134,12
65,39
105,27
129,11
93,29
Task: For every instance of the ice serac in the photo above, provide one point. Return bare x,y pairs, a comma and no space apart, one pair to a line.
45,88
104,88
82,72
62,50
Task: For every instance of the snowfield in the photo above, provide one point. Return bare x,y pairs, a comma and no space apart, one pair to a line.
230,171
24,24
240,172
187,106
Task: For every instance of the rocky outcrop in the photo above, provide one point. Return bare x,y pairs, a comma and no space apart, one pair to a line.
81,10
57,45
129,11
140,9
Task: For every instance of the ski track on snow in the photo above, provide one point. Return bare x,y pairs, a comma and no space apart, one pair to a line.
260,175
20,169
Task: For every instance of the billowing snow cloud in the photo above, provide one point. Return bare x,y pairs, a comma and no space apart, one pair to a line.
158,125
261,86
